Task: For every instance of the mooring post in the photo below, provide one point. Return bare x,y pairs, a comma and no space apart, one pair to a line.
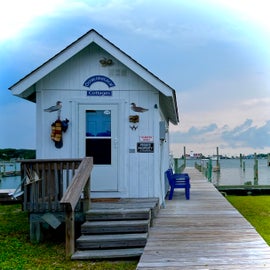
256,177
176,165
217,162
241,160
185,158
209,170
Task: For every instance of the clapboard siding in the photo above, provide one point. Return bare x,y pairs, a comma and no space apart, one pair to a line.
139,174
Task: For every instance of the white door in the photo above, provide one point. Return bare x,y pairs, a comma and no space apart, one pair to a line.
98,138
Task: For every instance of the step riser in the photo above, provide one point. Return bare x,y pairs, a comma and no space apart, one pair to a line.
111,244
117,216
114,227
107,254
113,233
98,230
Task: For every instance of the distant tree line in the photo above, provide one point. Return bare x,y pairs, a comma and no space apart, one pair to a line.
10,153
259,156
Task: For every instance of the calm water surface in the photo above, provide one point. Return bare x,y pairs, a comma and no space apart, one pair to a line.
11,182
232,174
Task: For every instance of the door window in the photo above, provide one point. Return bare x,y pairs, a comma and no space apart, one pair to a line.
98,136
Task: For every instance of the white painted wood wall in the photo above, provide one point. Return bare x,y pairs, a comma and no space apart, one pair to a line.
140,174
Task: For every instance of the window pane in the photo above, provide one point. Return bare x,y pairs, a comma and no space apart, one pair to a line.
99,149
98,123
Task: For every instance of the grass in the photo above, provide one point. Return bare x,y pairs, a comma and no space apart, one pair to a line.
17,252
256,209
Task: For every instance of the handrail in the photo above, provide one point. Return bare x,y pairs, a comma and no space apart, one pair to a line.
80,183
74,190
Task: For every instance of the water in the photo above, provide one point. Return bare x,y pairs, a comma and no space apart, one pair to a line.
10,182
232,174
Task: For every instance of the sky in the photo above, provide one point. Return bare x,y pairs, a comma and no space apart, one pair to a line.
214,53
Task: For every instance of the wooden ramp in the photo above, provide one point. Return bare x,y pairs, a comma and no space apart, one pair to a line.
203,233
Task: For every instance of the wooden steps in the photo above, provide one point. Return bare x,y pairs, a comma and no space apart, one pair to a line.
115,230
111,241
107,254
126,226
117,214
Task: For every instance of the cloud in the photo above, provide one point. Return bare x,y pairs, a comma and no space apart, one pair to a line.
212,52
194,134
202,131
245,135
16,16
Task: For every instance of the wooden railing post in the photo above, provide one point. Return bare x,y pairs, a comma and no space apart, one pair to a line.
70,231
80,183
86,196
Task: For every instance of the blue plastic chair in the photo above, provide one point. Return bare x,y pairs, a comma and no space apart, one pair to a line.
178,180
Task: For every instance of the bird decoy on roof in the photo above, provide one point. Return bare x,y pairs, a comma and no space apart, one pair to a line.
54,108
137,109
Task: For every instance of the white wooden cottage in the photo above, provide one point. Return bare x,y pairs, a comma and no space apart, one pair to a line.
97,84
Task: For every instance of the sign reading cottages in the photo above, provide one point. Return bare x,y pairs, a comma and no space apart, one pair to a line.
99,78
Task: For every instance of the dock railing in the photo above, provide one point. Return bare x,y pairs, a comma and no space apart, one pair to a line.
177,167
57,185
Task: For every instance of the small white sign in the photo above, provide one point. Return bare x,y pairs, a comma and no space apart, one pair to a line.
146,138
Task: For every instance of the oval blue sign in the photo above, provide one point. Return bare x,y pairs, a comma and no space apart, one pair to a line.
98,78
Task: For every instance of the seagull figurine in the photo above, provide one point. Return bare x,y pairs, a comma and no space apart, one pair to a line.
54,108
137,109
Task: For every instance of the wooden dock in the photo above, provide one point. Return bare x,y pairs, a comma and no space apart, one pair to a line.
204,233
5,197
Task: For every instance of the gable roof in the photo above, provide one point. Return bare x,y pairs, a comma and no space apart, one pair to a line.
25,87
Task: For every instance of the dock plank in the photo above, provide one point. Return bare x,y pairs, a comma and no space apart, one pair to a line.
204,233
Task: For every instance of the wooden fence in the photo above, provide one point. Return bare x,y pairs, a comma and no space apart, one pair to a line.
60,185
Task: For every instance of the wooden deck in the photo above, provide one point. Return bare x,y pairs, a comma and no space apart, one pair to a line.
203,233
4,195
